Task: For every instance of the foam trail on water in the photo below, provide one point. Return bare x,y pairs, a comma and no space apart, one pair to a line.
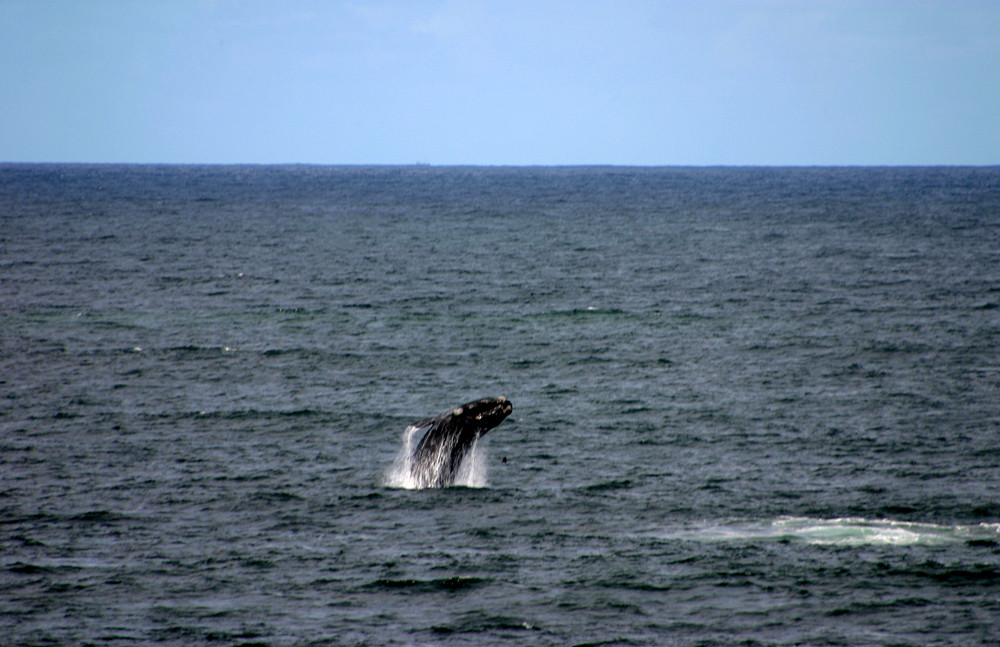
473,472
840,532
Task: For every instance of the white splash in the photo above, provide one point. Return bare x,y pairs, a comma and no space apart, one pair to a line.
472,473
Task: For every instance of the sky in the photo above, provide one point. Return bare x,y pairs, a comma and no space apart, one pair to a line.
501,82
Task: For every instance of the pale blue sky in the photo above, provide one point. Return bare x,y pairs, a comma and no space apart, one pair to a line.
644,82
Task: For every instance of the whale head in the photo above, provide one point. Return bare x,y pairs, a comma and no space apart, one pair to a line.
482,414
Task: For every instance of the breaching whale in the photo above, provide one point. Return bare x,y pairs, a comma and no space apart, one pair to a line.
449,438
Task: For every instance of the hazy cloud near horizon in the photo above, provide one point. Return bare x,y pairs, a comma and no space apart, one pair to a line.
492,82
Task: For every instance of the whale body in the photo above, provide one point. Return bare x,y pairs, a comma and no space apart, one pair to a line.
450,437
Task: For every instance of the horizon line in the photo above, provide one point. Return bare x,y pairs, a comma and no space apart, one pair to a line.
498,166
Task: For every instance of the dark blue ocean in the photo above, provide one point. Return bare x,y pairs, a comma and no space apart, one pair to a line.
752,406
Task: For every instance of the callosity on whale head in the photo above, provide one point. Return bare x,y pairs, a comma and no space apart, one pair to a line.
451,436
484,414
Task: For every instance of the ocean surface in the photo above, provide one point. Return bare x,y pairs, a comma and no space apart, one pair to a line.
752,406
